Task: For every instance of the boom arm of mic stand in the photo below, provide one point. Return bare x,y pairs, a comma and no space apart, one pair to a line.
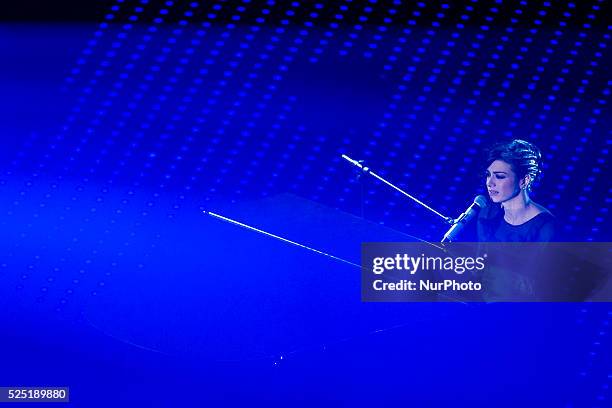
260,231
367,170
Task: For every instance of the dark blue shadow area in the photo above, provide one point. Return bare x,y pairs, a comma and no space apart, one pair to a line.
206,311
475,355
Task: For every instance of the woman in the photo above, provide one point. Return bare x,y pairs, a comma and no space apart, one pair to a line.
512,216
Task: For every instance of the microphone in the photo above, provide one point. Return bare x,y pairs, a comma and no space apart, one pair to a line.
480,202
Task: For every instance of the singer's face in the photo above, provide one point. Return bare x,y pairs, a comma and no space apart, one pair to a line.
502,182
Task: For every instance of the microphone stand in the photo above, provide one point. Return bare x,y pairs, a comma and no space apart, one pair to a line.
367,170
297,244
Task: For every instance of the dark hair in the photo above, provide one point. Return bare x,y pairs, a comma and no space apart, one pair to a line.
524,157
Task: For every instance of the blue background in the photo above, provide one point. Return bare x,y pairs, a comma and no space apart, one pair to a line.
116,136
